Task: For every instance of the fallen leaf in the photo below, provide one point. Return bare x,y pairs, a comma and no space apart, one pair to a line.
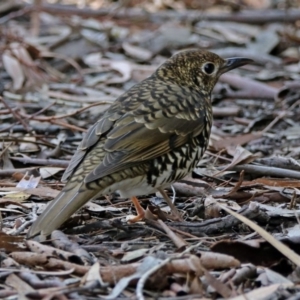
137,52
14,69
49,171
240,155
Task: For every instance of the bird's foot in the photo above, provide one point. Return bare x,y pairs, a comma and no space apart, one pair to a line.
174,211
134,219
176,216
140,211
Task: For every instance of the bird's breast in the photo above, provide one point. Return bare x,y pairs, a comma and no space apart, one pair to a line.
176,164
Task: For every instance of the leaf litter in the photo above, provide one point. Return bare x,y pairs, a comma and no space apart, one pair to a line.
63,64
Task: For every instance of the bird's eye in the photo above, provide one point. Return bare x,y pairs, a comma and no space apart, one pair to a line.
209,68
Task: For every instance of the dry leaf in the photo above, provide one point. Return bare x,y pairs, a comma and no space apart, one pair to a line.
240,156
49,171
14,69
137,52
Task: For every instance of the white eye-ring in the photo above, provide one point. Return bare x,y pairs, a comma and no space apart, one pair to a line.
209,68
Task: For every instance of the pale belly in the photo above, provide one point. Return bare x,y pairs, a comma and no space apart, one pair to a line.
131,187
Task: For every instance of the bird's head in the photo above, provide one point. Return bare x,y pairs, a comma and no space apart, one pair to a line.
198,69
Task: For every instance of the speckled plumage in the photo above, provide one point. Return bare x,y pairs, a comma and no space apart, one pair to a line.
152,135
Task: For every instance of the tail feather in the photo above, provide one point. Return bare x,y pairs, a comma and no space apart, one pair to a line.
68,201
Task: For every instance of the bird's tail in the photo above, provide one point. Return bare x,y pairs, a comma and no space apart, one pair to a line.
68,201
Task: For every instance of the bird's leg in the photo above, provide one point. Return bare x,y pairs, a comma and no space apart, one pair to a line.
140,211
174,210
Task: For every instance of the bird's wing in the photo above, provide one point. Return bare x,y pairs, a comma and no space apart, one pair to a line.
127,101
91,138
152,131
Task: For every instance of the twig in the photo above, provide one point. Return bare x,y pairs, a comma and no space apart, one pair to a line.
69,60
265,171
9,172
35,19
16,14
178,241
83,100
226,111
278,117
66,125
16,116
22,227
174,210
218,225
44,118
246,16
42,110
44,162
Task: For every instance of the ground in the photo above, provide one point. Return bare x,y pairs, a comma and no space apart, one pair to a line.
63,63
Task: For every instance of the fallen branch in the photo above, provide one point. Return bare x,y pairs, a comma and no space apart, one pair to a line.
265,171
219,225
193,16
43,162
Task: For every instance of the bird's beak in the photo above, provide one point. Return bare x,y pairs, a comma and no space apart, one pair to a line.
234,62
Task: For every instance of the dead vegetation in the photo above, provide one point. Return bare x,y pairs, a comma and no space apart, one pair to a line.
63,63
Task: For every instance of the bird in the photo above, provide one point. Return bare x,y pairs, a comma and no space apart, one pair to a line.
150,137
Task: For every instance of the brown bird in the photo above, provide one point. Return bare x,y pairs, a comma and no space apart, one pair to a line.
151,136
